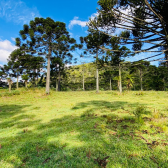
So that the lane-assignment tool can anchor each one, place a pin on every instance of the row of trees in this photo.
(46, 44)
(140, 77)
(40, 41)
(133, 76)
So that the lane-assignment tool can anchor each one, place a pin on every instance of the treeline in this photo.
(133, 77)
(45, 51)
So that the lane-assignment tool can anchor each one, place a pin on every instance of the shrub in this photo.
(68, 89)
(140, 93)
(79, 89)
(8, 94)
(16, 92)
(110, 119)
(138, 112)
(88, 113)
(114, 93)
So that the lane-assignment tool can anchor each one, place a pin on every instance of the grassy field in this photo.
(84, 130)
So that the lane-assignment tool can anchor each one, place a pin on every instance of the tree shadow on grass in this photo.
(98, 104)
(7, 111)
(13, 116)
(76, 141)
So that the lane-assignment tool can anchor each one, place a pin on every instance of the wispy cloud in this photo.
(6, 47)
(71, 34)
(81, 23)
(13, 39)
(76, 21)
(17, 11)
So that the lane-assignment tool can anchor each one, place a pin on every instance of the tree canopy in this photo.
(45, 37)
(144, 21)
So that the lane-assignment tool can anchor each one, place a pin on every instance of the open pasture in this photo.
(84, 129)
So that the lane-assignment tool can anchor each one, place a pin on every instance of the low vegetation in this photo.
(84, 129)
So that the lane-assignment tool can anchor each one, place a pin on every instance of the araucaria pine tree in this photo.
(42, 37)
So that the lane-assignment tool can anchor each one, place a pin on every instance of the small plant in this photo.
(140, 93)
(88, 113)
(16, 92)
(68, 89)
(138, 112)
(156, 114)
(8, 94)
(114, 93)
(110, 119)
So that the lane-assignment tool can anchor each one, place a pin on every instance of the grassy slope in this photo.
(72, 129)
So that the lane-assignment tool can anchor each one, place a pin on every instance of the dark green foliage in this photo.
(45, 37)
(145, 23)
(13, 92)
(16, 92)
(138, 112)
(153, 78)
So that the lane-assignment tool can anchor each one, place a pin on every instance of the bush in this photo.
(114, 93)
(8, 94)
(140, 93)
(16, 92)
(68, 89)
(138, 112)
(79, 89)
(88, 113)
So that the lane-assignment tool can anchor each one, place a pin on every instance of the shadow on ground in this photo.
(77, 141)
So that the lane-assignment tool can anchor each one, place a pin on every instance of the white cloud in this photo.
(17, 11)
(71, 34)
(6, 47)
(93, 15)
(76, 21)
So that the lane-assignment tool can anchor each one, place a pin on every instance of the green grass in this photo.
(79, 129)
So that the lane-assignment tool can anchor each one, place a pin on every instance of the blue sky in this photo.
(15, 13)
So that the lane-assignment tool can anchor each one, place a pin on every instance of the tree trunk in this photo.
(56, 84)
(26, 84)
(59, 81)
(48, 72)
(17, 83)
(34, 78)
(140, 71)
(120, 85)
(37, 78)
(97, 74)
(83, 82)
(10, 86)
(97, 80)
(110, 84)
(164, 84)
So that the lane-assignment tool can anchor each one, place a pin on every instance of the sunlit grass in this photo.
(74, 129)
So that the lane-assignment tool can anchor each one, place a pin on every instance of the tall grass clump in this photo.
(138, 112)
